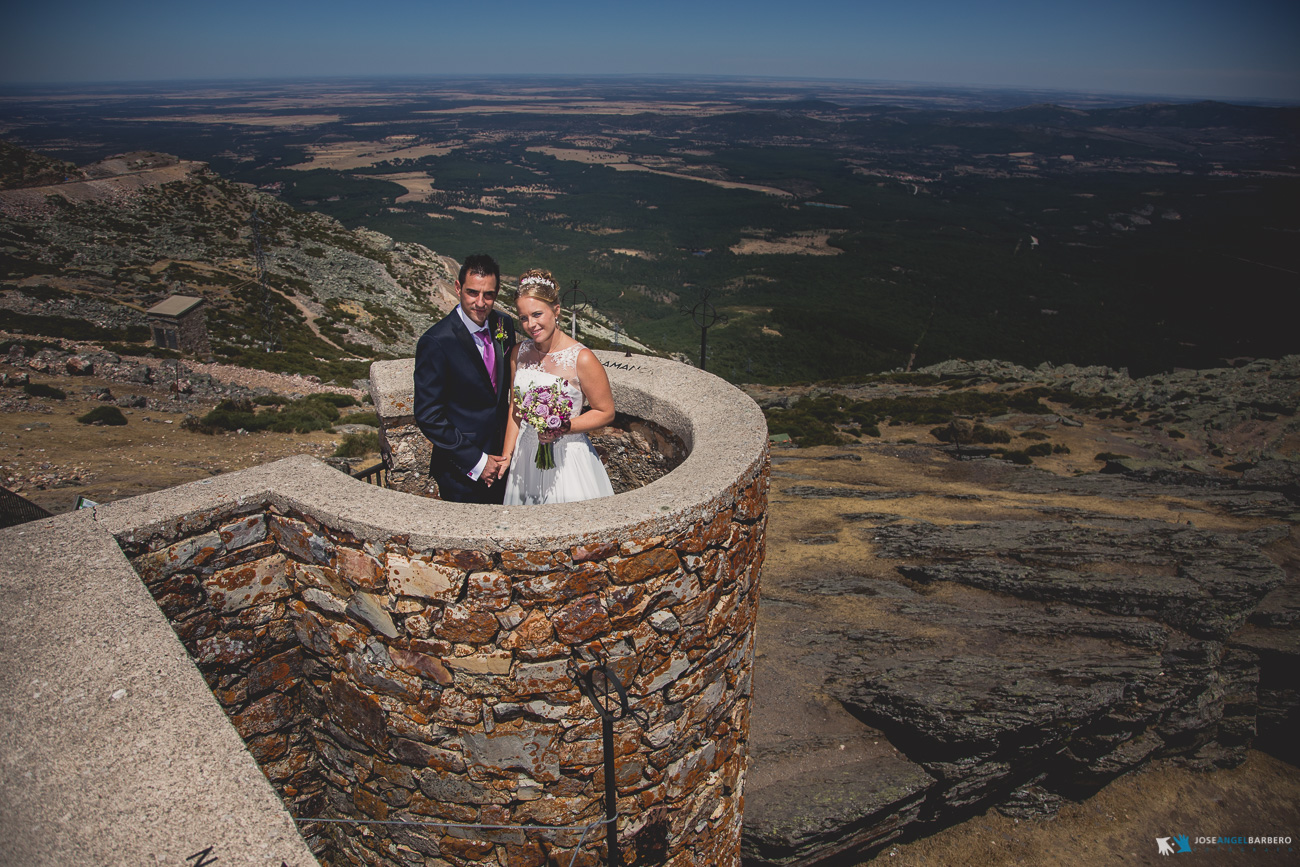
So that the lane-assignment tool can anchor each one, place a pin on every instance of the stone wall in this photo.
(371, 679)
(391, 658)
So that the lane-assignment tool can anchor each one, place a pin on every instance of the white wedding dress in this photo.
(578, 472)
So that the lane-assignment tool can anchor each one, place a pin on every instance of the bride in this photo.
(551, 356)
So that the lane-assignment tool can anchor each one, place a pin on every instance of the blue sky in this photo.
(1246, 49)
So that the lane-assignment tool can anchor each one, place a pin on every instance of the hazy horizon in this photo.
(1193, 49)
(883, 89)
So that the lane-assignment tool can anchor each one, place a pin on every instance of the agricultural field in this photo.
(836, 230)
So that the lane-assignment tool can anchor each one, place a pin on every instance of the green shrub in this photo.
(270, 400)
(140, 349)
(1017, 457)
(303, 416)
(31, 347)
(1059, 449)
(356, 445)
(40, 389)
(1033, 435)
(233, 414)
(903, 378)
(370, 418)
(337, 400)
(1039, 450)
(1083, 402)
(812, 420)
(1175, 433)
(194, 424)
(979, 434)
(109, 415)
(1110, 456)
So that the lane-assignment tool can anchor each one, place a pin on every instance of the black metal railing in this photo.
(376, 475)
(16, 509)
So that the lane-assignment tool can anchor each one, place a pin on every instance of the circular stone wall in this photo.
(423, 666)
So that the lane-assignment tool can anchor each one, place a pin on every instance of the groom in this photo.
(462, 392)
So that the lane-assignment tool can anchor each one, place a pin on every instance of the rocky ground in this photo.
(960, 660)
(50, 458)
(120, 235)
(945, 637)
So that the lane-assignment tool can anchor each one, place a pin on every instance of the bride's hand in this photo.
(550, 436)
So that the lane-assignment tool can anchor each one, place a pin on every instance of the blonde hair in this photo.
(538, 283)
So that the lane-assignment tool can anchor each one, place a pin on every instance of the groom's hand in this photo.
(494, 469)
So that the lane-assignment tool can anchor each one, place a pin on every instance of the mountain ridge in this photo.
(137, 227)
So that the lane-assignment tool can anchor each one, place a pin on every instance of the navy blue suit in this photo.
(456, 407)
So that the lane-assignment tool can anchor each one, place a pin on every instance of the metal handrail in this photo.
(375, 475)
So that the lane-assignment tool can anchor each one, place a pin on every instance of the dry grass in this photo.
(139, 458)
(623, 163)
(803, 244)
(345, 156)
(1120, 824)
(286, 121)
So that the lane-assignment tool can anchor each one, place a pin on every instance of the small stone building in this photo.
(179, 323)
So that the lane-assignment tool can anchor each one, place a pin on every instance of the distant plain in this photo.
(837, 228)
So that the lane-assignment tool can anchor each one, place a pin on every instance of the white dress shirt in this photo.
(474, 329)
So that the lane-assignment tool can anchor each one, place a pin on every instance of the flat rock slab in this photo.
(1203, 582)
(1015, 637)
(851, 810)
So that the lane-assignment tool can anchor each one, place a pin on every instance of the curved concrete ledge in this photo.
(112, 748)
(723, 429)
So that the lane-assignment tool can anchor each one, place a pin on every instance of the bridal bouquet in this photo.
(545, 408)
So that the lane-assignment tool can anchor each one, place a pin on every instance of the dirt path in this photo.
(280, 383)
(308, 315)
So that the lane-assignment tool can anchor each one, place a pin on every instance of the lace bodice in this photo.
(575, 472)
(562, 365)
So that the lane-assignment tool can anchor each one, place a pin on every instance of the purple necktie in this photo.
(489, 356)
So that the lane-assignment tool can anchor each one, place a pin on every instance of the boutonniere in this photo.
(500, 334)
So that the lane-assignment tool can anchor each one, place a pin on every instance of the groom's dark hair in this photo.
(480, 265)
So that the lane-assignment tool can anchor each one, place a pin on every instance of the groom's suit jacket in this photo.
(456, 406)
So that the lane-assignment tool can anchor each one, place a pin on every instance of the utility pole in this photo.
(259, 260)
(705, 316)
(571, 301)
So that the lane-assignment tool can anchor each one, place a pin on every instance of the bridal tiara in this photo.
(542, 280)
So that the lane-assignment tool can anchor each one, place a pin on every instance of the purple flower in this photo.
(553, 422)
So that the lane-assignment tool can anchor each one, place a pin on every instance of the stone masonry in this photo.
(370, 679)
(390, 658)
